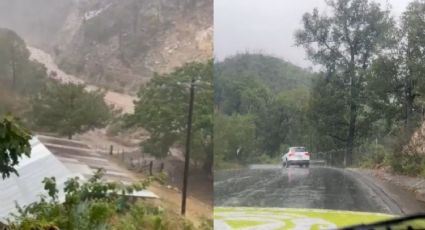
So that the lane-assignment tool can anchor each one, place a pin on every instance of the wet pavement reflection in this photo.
(323, 188)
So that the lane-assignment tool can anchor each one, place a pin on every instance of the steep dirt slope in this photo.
(120, 43)
(120, 101)
(114, 43)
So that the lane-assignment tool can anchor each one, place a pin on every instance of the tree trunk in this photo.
(408, 90)
(208, 163)
(353, 97)
(409, 99)
(351, 135)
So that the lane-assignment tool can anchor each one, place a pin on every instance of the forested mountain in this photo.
(273, 72)
(261, 104)
(257, 72)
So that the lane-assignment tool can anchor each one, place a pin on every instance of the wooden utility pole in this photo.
(188, 145)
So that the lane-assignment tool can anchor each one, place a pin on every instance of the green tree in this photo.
(385, 93)
(14, 54)
(272, 127)
(16, 70)
(412, 66)
(328, 114)
(14, 144)
(295, 103)
(272, 93)
(20, 78)
(242, 94)
(69, 109)
(234, 138)
(162, 109)
(345, 44)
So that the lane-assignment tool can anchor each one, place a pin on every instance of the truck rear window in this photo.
(299, 149)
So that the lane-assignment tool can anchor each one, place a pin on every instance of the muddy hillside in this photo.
(114, 43)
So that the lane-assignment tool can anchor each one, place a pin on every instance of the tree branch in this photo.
(338, 138)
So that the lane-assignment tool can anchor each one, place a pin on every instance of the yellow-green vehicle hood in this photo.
(232, 218)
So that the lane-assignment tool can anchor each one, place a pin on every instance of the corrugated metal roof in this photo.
(27, 187)
(142, 194)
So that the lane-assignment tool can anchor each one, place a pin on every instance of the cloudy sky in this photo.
(268, 26)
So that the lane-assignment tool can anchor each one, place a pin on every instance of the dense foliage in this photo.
(346, 44)
(234, 138)
(369, 100)
(93, 204)
(69, 109)
(399, 89)
(162, 109)
(260, 108)
(20, 78)
(14, 144)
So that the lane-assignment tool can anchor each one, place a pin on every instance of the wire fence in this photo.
(335, 158)
(134, 160)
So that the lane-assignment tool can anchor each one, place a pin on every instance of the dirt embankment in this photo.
(415, 185)
(200, 186)
(416, 145)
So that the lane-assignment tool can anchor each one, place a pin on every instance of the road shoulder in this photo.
(398, 191)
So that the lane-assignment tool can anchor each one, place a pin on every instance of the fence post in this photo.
(161, 167)
(150, 168)
(111, 150)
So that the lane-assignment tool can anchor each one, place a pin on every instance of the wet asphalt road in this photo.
(315, 187)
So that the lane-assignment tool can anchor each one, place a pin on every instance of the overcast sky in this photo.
(268, 26)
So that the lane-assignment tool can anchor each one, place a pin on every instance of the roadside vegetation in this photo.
(360, 109)
(167, 123)
(94, 204)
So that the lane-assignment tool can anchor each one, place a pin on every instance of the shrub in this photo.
(374, 155)
(94, 204)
